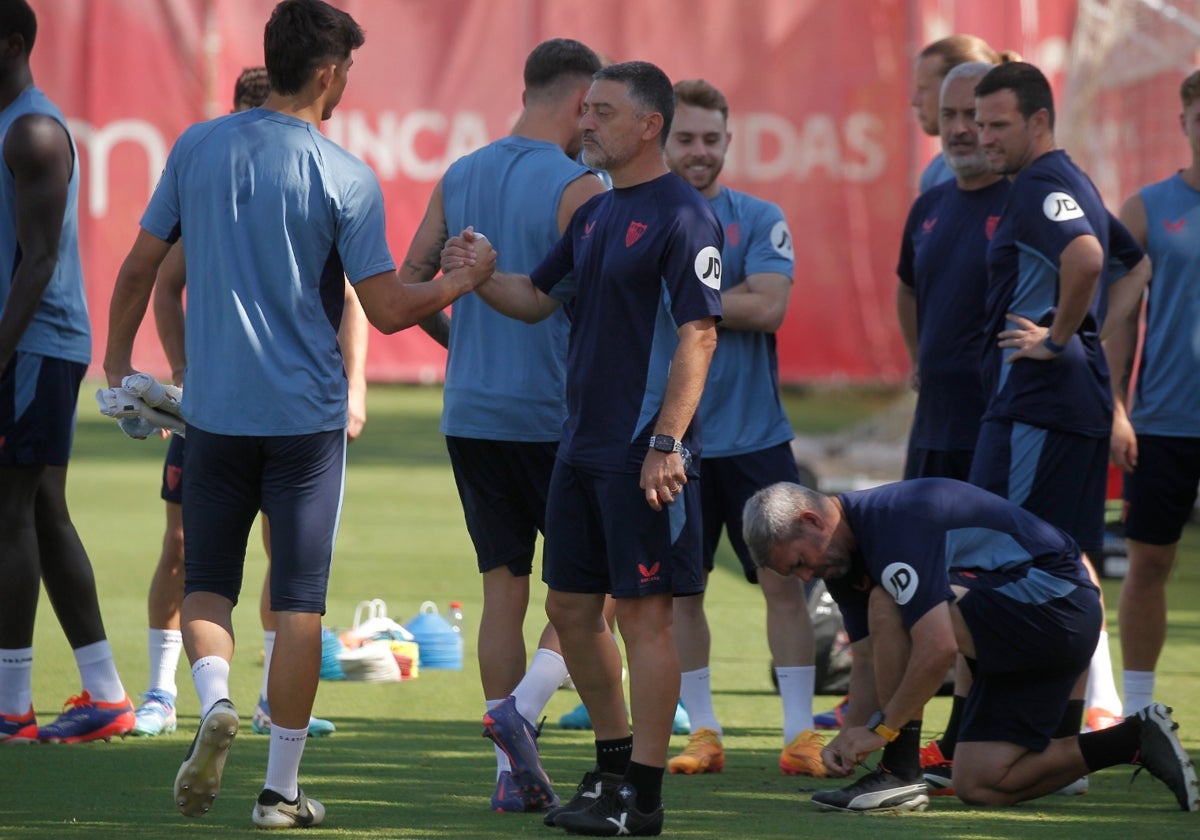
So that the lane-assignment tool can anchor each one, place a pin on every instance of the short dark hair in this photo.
(251, 88)
(300, 35)
(1026, 82)
(1189, 90)
(558, 60)
(649, 87)
(700, 94)
(17, 18)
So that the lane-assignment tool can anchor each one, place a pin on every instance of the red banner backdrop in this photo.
(819, 94)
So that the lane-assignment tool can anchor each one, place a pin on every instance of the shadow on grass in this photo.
(404, 778)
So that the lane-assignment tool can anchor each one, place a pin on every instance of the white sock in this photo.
(16, 680)
(502, 762)
(695, 689)
(268, 649)
(796, 690)
(546, 673)
(98, 672)
(1139, 690)
(1101, 686)
(211, 677)
(165, 648)
(283, 760)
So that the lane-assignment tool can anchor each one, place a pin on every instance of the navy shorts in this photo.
(296, 480)
(172, 479)
(503, 485)
(38, 398)
(602, 536)
(1028, 659)
(727, 485)
(1161, 492)
(1060, 477)
(938, 463)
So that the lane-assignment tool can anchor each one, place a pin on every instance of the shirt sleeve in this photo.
(770, 249)
(1050, 218)
(1124, 252)
(554, 274)
(904, 268)
(362, 229)
(691, 264)
(162, 217)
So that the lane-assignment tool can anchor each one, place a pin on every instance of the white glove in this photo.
(154, 393)
(135, 416)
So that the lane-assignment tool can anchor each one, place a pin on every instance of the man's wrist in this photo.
(875, 724)
(1049, 344)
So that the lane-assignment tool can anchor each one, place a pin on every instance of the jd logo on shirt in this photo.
(1060, 207)
(900, 580)
(708, 267)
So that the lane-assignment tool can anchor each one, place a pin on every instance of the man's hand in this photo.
(850, 748)
(1028, 339)
(356, 412)
(663, 477)
(466, 250)
(1122, 445)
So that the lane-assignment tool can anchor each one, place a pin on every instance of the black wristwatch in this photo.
(668, 444)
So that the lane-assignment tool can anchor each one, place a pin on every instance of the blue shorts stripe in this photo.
(1025, 451)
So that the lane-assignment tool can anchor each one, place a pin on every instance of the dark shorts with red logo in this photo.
(172, 482)
(602, 536)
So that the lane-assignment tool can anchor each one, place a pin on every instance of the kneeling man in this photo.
(926, 568)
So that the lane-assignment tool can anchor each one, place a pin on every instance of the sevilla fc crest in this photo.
(733, 234)
(636, 229)
(990, 227)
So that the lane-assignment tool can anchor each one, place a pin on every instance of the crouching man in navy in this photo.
(926, 568)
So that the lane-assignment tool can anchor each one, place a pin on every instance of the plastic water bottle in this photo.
(456, 616)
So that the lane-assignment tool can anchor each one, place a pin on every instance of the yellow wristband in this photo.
(886, 734)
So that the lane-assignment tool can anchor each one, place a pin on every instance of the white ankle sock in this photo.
(695, 689)
(1101, 686)
(165, 648)
(546, 673)
(16, 680)
(283, 760)
(796, 691)
(211, 677)
(1139, 690)
(98, 672)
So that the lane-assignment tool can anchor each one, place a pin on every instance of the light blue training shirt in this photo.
(505, 379)
(1167, 401)
(272, 213)
(741, 409)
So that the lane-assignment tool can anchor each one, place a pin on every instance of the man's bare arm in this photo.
(131, 296)
(685, 384)
(423, 261)
(37, 152)
(1120, 337)
(352, 338)
(168, 310)
(393, 305)
(759, 303)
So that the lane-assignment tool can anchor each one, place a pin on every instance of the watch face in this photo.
(664, 443)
